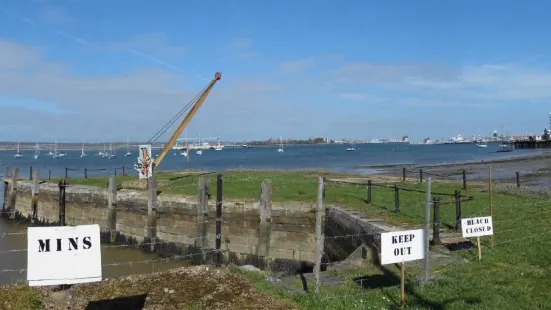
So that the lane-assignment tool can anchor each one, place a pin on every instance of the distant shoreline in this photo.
(514, 159)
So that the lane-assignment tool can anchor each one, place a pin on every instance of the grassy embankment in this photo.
(512, 275)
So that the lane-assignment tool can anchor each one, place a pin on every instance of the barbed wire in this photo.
(127, 245)
(104, 231)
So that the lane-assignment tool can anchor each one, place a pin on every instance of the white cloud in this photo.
(481, 85)
(55, 15)
(16, 56)
(353, 96)
(297, 66)
(242, 48)
(153, 43)
(357, 97)
(138, 103)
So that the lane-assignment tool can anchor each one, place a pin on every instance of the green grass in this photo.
(512, 275)
(20, 298)
(303, 186)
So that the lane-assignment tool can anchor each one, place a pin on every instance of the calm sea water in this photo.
(334, 157)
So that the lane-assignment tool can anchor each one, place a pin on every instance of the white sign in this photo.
(477, 227)
(63, 255)
(145, 162)
(402, 246)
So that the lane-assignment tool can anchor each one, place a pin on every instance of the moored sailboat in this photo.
(18, 154)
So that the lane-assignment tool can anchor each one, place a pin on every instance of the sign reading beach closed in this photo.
(63, 255)
(402, 246)
(477, 227)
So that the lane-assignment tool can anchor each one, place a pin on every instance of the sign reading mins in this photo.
(63, 255)
(72, 244)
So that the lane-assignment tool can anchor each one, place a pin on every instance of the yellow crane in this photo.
(145, 161)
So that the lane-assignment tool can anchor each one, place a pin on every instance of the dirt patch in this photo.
(183, 288)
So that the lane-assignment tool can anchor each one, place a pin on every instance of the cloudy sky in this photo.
(107, 69)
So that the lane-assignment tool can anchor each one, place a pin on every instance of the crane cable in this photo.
(166, 126)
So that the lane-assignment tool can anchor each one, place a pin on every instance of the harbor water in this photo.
(331, 157)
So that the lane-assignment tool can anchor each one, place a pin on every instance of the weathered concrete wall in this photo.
(346, 231)
(287, 231)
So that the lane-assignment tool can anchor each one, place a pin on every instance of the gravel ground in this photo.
(534, 171)
(198, 287)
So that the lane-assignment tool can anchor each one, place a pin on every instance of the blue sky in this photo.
(98, 70)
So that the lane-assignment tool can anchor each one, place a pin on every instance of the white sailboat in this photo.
(280, 150)
(185, 151)
(128, 153)
(482, 144)
(111, 152)
(61, 154)
(36, 151)
(104, 153)
(199, 146)
(18, 154)
(55, 154)
(82, 153)
(219, 146)
(351, 148)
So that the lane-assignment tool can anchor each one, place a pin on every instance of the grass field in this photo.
(512, 275)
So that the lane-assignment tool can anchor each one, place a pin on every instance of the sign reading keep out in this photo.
(477, 227)
(402, 246)
(63, 255)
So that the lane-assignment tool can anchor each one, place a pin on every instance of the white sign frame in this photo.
(144, 166)
(483, 225)
(63, 255)
(402, 246)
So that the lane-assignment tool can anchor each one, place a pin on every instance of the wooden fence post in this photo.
(203, 195)
(62, 207)
(436, 221)
(404, 174)
(6, 190)
(13, 193)
(152, 213)
(34, 192)
(518, 179)
(219, 205)
(369, 187)
(396, 199)
(112, 208)
(464, 179)
(265, 231)
(319, 232)
(457, 210)
(420, 175)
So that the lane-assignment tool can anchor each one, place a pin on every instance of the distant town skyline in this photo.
(275, 139)
(98, 70)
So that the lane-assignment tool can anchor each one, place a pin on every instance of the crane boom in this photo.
(202, 97)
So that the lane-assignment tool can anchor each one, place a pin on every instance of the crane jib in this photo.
(191, 107)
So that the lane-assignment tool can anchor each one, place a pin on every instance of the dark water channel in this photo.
(116, 260)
